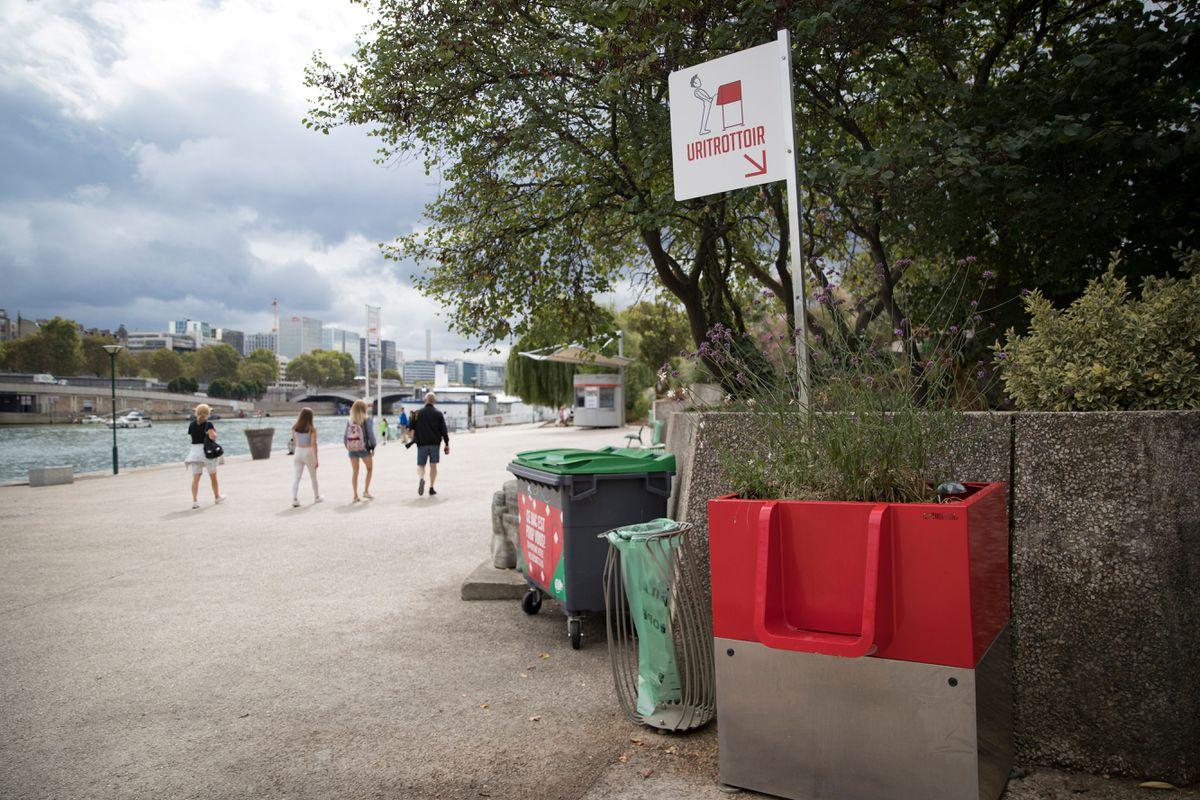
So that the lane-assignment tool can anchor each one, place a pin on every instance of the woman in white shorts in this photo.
(199, 430)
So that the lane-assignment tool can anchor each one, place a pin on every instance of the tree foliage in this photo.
(267, 359)
(236, 390)
(655, 332)
(54, 348)
(1110, 351)
(166, 365)
(212, 362)
(183, 385)
(1036, 135)
(322, 368)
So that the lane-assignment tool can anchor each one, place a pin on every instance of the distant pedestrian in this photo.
(202, 432)
(402, 426)
(359, 439)
(304, 434)
(428, 428)
(383, 430)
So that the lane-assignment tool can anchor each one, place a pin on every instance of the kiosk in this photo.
(599, 398)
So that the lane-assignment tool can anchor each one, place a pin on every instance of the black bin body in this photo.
(577, 509)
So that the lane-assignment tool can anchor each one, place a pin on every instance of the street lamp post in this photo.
(112, 350)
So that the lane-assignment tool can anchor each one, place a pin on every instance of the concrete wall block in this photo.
(1106, 592)
(51, 476)
(1105, 521)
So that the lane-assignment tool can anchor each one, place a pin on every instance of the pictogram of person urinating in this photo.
(729, 98)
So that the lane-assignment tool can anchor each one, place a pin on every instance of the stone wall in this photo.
(1104, 516)
(1106, 591)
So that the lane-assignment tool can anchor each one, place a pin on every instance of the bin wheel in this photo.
(531, 603)
(575, 632)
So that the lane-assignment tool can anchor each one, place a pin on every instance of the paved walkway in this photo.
(252, 650)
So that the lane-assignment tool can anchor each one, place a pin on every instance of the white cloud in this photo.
(96, 57)
(187, 185)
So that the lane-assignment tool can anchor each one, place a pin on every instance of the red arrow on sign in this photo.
(762, 168)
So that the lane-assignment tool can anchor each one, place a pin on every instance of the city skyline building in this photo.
(340, 340)
(235, 339)
(261, 341)
(388, 350)
(298, 335)
(468, 373)
(139, 341)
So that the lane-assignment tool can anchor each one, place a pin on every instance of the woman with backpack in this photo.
(359, 439)
(304, 434)
(203, 453)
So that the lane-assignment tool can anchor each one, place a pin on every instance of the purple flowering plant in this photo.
(884, 418)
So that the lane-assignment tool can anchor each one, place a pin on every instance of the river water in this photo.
(88, 448)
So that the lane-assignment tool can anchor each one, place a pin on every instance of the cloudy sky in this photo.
(153, 167)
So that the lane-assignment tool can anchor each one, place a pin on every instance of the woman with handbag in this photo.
(203, 453)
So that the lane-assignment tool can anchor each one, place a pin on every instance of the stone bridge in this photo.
(28, 403)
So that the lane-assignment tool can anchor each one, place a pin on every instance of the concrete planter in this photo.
(260, 440)
(1104, 515)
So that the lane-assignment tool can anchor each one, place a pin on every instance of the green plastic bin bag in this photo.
(646, 570)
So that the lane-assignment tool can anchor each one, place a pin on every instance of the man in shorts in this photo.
(428, 428)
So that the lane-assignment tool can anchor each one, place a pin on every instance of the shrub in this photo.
(884, 422)
(183, 385)
(1109, 351)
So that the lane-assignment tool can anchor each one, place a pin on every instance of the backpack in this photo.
(354, 438)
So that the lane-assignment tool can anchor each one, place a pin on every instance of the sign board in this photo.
(728, 128)
(373, 326)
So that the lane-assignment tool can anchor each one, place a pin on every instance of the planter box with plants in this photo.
(862, 648)
(860, 589)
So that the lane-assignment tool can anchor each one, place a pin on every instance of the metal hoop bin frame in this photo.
(673, 554)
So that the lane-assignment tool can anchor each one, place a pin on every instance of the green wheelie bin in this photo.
(566, 498)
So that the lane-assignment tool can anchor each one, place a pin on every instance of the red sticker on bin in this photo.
(540, 527)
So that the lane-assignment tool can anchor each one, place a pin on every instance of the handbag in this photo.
(212, 449)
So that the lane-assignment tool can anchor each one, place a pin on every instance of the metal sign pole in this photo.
(799, 293)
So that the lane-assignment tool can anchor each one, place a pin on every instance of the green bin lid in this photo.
(605, 461)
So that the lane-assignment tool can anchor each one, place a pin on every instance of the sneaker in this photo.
(195, 504)
(368, 496)
(421, 487)
(318, 499)
(295, 504)
(356, 499)
(221, 499)
(432, 490)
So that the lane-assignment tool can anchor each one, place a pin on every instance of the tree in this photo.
(322, 368)
(549, 383)
(306, 369)
(54, 348)
(257, 372)
(214, 361)
(337, 369)
(550, 122)
(166, 365)
(183, 385)
(661, 329)
(222, 388)
(1034, 134)
(250, 390)
(391, 375)
(267, 359)
(94, 358)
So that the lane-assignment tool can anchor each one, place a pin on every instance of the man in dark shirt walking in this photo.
(428, 428)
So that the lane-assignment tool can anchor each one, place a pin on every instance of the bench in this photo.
(51, 476)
